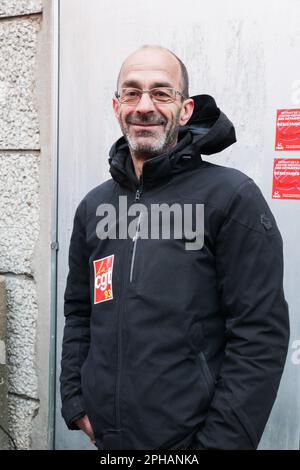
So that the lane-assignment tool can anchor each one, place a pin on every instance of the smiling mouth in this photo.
(146, 125)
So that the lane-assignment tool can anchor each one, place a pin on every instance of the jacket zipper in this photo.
(137, 233)
(119, 323)
(119, 354)
(138, 193)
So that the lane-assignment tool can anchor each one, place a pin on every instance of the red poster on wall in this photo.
(286, 178)
(288, 129)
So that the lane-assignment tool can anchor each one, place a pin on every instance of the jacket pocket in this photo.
(184, 443)
(209, 381)
(88, 389)
(246, 426)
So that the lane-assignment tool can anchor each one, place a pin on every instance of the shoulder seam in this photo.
(88, 216)
(251, 228)
(248, 180)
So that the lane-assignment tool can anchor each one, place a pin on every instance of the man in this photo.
(169, 345)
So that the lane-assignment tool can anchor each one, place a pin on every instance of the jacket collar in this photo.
(208, 131)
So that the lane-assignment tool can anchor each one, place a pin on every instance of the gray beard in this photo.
(165, 142)
(148, 149)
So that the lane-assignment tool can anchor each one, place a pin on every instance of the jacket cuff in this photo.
(72, 409)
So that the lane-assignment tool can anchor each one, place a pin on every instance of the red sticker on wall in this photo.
(286, 178)
(103, 269)
(288, 129)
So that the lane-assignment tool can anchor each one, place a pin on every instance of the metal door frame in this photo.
(54, 218)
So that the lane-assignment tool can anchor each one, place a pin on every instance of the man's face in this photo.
(151, 128)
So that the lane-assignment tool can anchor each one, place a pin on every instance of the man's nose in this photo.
(145, 105)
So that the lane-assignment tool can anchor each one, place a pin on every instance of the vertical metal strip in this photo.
(54, 219)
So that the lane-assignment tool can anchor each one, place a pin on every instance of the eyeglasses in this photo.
(158, 95)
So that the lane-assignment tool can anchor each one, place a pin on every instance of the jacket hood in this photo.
(207, 132)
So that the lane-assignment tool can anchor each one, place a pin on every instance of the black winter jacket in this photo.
(168, 348)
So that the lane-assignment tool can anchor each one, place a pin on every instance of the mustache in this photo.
(146, 119)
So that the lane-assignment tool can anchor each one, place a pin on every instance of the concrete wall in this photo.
(25, 218)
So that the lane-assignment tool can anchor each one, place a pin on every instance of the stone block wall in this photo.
(24, 178)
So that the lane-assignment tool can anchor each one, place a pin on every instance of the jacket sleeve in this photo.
(249, 263)
(77, 308)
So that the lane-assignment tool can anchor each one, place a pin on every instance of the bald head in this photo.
(156, 58)
(151, 126)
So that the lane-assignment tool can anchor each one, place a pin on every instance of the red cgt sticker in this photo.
(103, 269)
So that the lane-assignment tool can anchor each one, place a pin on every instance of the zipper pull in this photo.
(139, 189)
(138, 194)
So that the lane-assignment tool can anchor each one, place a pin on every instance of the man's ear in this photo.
(186, 111)
(116, 106)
